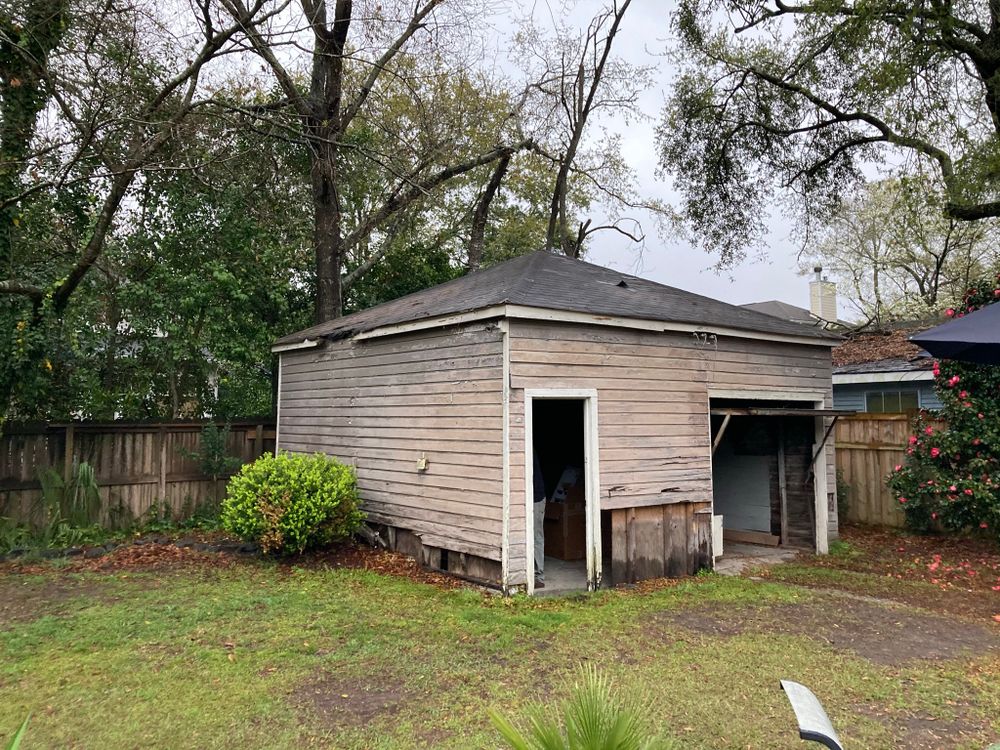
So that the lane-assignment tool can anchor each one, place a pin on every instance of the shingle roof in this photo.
(557, 282)
(870, 348)
(887, 365)
(780, 309)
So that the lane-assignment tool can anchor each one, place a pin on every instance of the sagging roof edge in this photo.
(557, 316)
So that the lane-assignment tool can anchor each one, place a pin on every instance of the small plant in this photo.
(213, 454)
(591, 719)
(843, 496)
(15, 741)
(75, 501)
(289, 503)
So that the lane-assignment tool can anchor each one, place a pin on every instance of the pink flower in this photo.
(949, 312)
(953, 381)
(968, 491)
(980, 415)
(934, 566)
(902, 500)
(996, 292)
(983, 525)
(928, 430)
(963, 394)
(953, 488)
(898, 467)
(913, 439)
(935, 452)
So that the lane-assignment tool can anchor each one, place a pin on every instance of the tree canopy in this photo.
(791, 104)
(896, 255)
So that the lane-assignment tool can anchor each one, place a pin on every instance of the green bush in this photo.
(291, 502)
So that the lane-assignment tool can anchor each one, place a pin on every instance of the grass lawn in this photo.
(261, 655)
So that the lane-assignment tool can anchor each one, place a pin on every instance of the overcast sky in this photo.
(643, 37)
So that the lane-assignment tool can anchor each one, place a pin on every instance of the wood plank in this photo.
(750, 537)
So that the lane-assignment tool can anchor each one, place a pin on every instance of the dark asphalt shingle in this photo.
(557, 282)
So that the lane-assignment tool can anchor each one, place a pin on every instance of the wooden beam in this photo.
(782, 485)
(720, 433)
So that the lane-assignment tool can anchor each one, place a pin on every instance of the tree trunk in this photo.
(477, 238)
(327, 237)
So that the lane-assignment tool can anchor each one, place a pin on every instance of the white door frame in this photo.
(592, 480)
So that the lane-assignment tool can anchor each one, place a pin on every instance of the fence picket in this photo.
(136, 464)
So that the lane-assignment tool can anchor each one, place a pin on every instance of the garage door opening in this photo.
(763, 472)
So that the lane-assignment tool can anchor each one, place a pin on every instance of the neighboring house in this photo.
(882, 372)
(874, 371)
(822, 310)
(651, 410)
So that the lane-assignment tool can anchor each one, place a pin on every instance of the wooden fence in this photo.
(869, 446)
(137, 466)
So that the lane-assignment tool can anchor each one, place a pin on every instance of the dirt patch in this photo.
(879, 632)
(920, 733)
(928, 733)
(24, 599)
(340, 702)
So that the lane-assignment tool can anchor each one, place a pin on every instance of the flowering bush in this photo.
(951, 476)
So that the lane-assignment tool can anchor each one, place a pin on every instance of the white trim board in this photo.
(871, 378)
(505, 480)
(525, 312)
(764, 395)
(306, 344)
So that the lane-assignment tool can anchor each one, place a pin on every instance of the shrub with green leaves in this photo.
(292, 502)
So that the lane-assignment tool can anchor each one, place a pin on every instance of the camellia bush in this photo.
(951, 476)
(292, 502)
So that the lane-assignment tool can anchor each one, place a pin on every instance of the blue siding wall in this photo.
(853, 396)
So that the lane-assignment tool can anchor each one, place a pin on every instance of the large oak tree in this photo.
(796, 100)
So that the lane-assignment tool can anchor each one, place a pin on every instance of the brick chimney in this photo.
(823, 297)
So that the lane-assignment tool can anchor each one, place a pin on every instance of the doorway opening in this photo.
(565, 534)
(763, 477)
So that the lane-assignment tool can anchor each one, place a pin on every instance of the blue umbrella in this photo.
(972, 338)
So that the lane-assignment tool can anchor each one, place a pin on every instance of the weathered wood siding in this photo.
(381, 404)
(653, 393)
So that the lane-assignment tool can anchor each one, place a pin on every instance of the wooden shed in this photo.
(652, 411)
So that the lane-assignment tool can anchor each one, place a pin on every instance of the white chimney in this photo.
(823, 297)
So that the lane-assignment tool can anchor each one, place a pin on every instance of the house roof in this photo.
(786, 311)
(783, 310)
(880, 351)
(556, 282)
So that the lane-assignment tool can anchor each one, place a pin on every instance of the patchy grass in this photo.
(262, 655)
